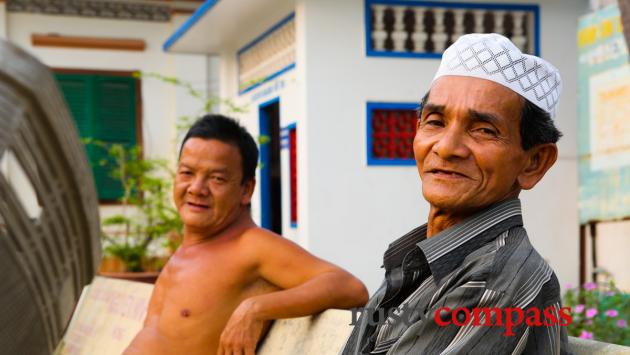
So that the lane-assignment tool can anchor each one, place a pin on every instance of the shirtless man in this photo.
(229, 278)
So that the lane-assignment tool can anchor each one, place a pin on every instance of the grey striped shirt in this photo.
(486, 261)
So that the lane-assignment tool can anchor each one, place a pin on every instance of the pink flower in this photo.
(586, 335)
(578, 308)
(589, 322)
(622, 323)
(591, 312)
(612, 313)
(589, 286)
(568, 286)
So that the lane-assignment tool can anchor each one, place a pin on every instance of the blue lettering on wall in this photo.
(268, 90)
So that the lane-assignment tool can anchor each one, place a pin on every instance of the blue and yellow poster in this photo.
(603, 117)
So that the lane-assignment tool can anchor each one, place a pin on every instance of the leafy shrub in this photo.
(599, 312)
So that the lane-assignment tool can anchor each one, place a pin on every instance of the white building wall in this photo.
(613, 243)
(161, 103)
(288, 88)
(3, 20)
(355, 210)
(349, 212)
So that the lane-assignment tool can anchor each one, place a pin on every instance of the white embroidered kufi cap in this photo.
(493, 57)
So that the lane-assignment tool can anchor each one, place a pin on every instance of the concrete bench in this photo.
(583, 347)
(111, 312)
(327, 333)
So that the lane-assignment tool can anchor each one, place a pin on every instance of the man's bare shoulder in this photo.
(257, 234)
(262, 241)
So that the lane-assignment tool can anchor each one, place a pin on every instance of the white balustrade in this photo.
(378, 33)
(518, 36)
(498, 20)
(439, 36)
(459, 23)
(419, 36)
(522, 33)
(399, 35)
(479, 20)
(270, 55)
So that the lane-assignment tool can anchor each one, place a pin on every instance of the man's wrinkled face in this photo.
(208, 192)
(467, 145)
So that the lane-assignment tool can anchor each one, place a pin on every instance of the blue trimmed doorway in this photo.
(270, 171)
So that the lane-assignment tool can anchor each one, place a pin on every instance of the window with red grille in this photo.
(391, 129)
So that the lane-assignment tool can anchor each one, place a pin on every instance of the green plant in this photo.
(146, 212)
(207, 102)
(600, 312)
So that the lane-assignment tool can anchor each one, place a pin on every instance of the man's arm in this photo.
(310, 285)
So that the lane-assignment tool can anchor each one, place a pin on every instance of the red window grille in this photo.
(393, 131)
(293, 173)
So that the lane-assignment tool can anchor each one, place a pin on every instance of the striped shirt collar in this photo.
(438, 249)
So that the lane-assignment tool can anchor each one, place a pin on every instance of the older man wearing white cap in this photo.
(469, 280)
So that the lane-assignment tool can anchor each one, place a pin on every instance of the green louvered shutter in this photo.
(104, 108)
(77, 90)
(114, 122)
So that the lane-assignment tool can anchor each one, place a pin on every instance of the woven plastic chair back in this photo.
(46, 258)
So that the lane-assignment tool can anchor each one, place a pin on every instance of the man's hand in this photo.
(242, 331)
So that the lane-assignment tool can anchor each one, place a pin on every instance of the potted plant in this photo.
(147, 219)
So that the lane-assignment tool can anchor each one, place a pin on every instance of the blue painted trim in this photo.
(288, 128)
(372, 53)
(411, 3)
(457, 5)
(192, 20)
(269, 102)
(284, 134)
(367, 9)
(265, 190)
(371, 160)
(537, 31)
(391, 162)
(265, 34)
(269, 78)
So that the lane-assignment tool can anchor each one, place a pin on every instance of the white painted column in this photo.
(399, 35)
(439, 36)
(378, 33)
(419, 37)
(518, 37)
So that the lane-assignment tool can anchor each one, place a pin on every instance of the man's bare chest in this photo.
(206, 283)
